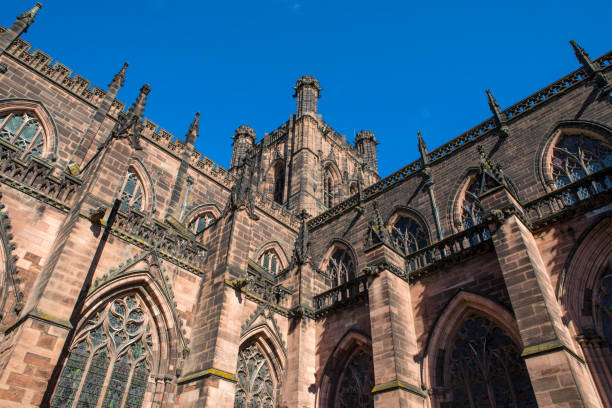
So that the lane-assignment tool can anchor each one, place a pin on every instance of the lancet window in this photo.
(201, 222)
(356, 383)
(576, 156)
(486, 368)
(255, 387)
(24, 130)
(132, 192)
(110, 361)
(341, 267)
(606, 307)
(269, 260)
(279, 183)
(471, 210)
(328, 189)
(408, 235)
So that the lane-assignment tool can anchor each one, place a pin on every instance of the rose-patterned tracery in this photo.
(341, 267)
(24, 130)
(357, 381)
(255, 387)
(576, 156)
(408, 235)
(486, 368)
(110, 360)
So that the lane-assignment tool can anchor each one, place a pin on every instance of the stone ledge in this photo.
(397, 384)
(547, 348)
(224, 375)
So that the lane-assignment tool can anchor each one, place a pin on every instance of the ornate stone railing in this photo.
(556, 88)
(588, 190)
(341, 295)
(34, 176)
(134, 227)
(450, 249)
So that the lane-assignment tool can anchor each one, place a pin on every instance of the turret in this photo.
(307, 91)
(244, 137)
(366, 143)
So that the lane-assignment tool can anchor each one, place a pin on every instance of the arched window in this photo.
(269, 260)
(199, 223)
(24, 130)
(132, 192)
(341, 267)
(110, 360)
(576, 156)
(279, 182)
(328, 189)
(408, 235)
(486, 368)
(255, 387)
(606, 307)
(356, 383)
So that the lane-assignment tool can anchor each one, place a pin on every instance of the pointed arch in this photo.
(585, 292)
(353, 346)
(572, 150)
(36, 114)
(408, 229)
(276, 175)
(261, 359)
(137, 191)
(200, 217)
(128, 336)
(275, 248)
(444, 356)
(340, 262)
(332, 179)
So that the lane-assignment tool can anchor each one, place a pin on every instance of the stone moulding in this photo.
(397, 384)
(224, 375)
(549, 347)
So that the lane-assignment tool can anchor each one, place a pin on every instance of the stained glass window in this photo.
(269, 260)
(111, 354)
(255, 387)
(408, 235)
(606, 307)
(23, 129)
(357, 381)
(576, 156)
(131, 195)
(199, 223)
(341, 268)
(486, 368)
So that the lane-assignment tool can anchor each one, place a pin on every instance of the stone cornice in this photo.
(215, 372)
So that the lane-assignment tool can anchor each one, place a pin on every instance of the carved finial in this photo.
(28, 16)
(138, 106)
(194, 130)
(377, 231)
(497, 113)
(119, 78)
(423, 148)
(489, 171)
(583, 57)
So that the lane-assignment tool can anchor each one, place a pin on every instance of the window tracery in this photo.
(486, 368)
(201, 222)
(110, 360)
(341, 267)
(24, 130)
(279, 183)
(255, 386)
(357, 381)
(270, 261)
(408, 235)
(606, 307)
(132, 192)
(576, 156)
(328, 192)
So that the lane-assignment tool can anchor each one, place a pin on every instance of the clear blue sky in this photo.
(393, 67)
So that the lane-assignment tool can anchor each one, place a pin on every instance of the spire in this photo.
(423, 148)
(28, 17)
(497, 113)
(138, 107)
(194, 130)
(583, 57)
(119, 78)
